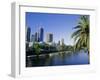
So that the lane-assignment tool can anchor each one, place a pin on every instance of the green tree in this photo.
(81, 35)
(37, 48)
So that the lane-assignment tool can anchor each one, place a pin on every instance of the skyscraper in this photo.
(49, 37)
(58, 43)
(28, 34)
(41, 34)
(32, 38)
(36, 36)
(62, 41)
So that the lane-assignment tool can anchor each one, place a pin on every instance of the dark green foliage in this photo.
(81, 35)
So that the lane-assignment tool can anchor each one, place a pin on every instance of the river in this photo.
(58, 59)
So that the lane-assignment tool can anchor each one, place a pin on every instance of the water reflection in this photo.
(61, 58)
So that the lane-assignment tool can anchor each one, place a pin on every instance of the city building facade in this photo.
(49, 37)
(28, 34)
(41, 34)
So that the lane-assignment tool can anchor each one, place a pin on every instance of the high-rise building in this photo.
(58, 43)
(36, 37)
(62, 41)
(32, 38)
(28, 34)
(49, 37)
(41, 35)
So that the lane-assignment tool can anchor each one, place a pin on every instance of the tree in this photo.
(81, 35)
(37, 48)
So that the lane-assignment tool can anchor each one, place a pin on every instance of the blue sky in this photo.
(61, 25)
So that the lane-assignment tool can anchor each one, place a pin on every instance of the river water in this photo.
(58, 59)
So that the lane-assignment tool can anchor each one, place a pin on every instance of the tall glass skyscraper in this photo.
(28, 34)
(41, 34)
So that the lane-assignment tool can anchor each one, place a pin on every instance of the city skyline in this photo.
(38, 36)
(60, 25)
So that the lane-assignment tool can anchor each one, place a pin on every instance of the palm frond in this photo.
(76, 33)
(81, 35)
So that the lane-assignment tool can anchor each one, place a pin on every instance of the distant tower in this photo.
(62, 41)
(41, 34)
(36, 37)
(32, 38)
(49, 37)
(28, 34)
(58, 42)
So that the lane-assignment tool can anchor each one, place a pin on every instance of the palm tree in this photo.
(81, 35)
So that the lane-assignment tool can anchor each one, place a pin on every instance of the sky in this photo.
(60, 25)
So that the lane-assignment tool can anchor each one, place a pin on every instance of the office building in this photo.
(62, 41)
(36, 36)
(28, 34)
(41, 35)
(49, 37)
(32, 38)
